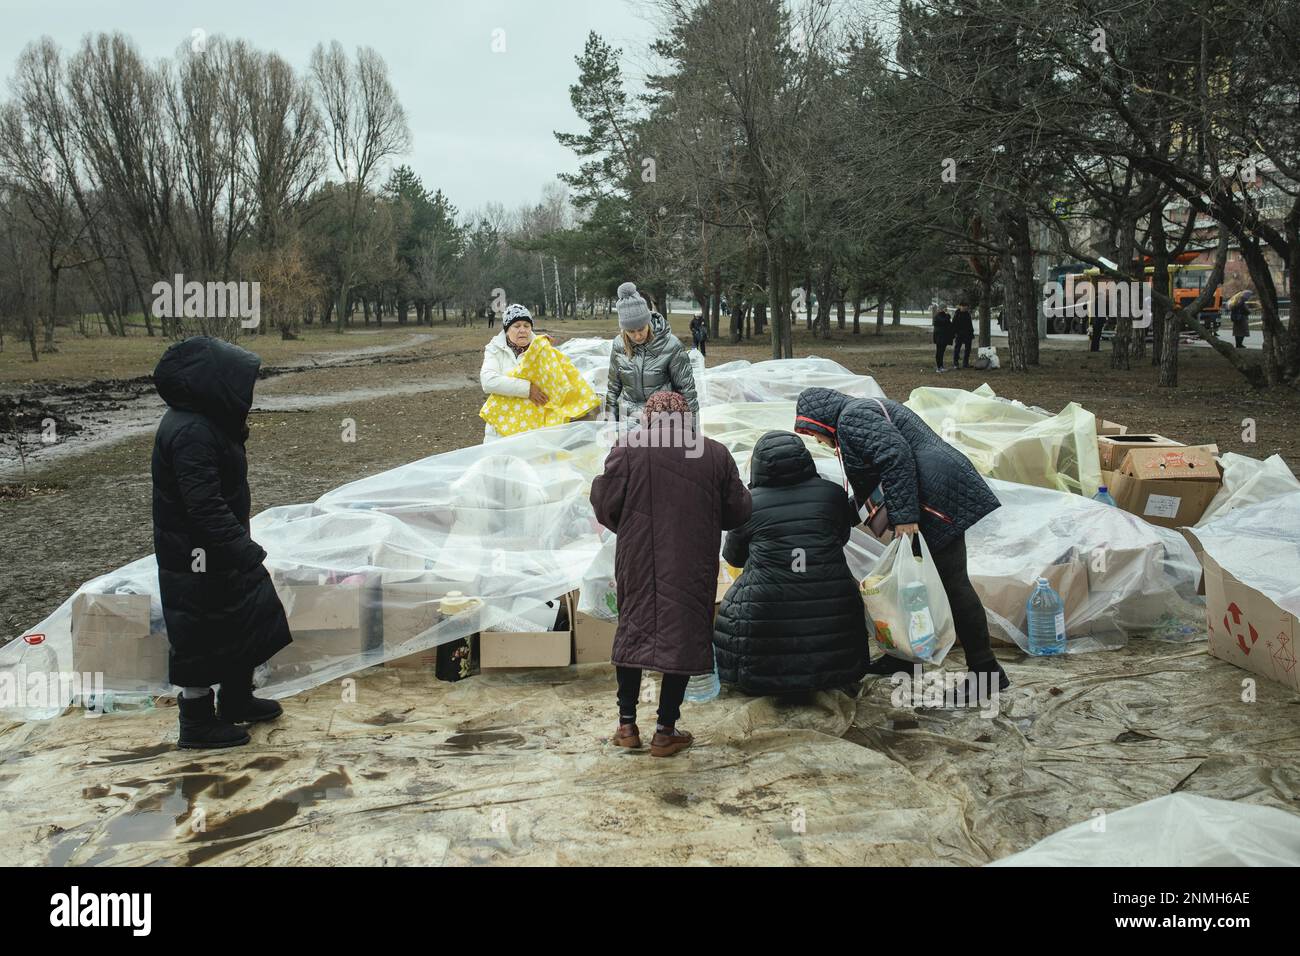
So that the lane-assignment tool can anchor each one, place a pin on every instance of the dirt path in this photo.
(58, 420)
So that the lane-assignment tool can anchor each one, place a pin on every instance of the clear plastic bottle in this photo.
(920, 622)
(1046, 616)
(702, 688)
(36, 680)
(1103, 495)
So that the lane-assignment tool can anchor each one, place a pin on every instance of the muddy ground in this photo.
(82, 507)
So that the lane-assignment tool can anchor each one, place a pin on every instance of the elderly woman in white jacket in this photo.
(501, 355)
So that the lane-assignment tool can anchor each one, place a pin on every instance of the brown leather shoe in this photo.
(665, 745)
(627, 736)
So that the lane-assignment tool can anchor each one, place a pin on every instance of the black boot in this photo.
(979, 681)
(238, 705)
(202, 729)
(887, 664)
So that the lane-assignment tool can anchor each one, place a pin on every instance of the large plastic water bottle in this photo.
(920, 622)
(703, 687)
(36, 684)
(1046, 616)
(1103, 495)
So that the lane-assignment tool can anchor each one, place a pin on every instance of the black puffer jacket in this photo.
(922, 478)
(793, 621)
(221, 609)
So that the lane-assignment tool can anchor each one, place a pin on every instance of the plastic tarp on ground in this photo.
(1118, 576)
(1259, 545)
(1248, 481)
(1182, 829)
(1008, 440)
(362, 570)
(515, 769)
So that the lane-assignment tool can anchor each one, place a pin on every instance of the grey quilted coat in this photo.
(922, 479)
(659, 364)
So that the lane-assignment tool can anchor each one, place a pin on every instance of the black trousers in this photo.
(967, 609)
(961, 342)
(1241, 340)
(672, 691)
(939, 349)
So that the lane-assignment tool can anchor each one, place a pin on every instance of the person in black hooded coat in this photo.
(892, 457)
(794, 620)
(222, 613)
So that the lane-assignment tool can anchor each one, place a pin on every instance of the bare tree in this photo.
(365, 126)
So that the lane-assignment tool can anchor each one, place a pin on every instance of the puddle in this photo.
(279, 811)
(132, 756)
(266, 762)
(483, 738)
(384, 719)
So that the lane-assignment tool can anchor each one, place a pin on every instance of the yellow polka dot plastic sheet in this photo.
(550, 370)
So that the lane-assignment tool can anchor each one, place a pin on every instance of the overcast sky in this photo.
(481, 122)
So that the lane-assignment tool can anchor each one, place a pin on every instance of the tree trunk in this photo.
(857, 314)
(880, 317)
(715, 323)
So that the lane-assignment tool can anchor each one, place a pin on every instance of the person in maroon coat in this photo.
(668, 493)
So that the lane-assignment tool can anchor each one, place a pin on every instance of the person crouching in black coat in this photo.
(928, 488)
(793, 621)
(222, 613)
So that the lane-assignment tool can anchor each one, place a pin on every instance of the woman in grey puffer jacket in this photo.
(646, 358)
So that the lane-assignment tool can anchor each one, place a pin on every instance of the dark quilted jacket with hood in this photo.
(922, 479)
(793, 621)
(222, 613)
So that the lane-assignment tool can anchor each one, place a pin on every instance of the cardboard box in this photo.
(510, 649)
(1110, 428)
(1008, 596)
(409, 607)
(593, 638)
(1111, 449)
(1171, 486)
(1248, 629)
(110, 635)
(326, 621)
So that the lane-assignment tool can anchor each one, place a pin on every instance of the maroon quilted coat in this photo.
(669, 511)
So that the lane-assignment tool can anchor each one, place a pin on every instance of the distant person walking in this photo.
(700, 333)
(942, 337)
(1240, 314)
(963, 329)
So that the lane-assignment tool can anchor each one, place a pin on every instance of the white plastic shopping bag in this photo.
(598, 593)
(906, 602)
(990, 355)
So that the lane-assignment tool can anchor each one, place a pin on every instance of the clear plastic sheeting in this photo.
(1248, 481)
(1014, 442)
(365, 572)
(1259, 545)
(781, 380)
(1182, 829)
(776, 380)
(516, 769)
(1118, 576)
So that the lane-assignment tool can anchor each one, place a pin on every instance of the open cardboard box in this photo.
(1111, 449)
(110, 635)
(1110, 428)
(1246, 627)
(1170, 486)
(501, 650)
